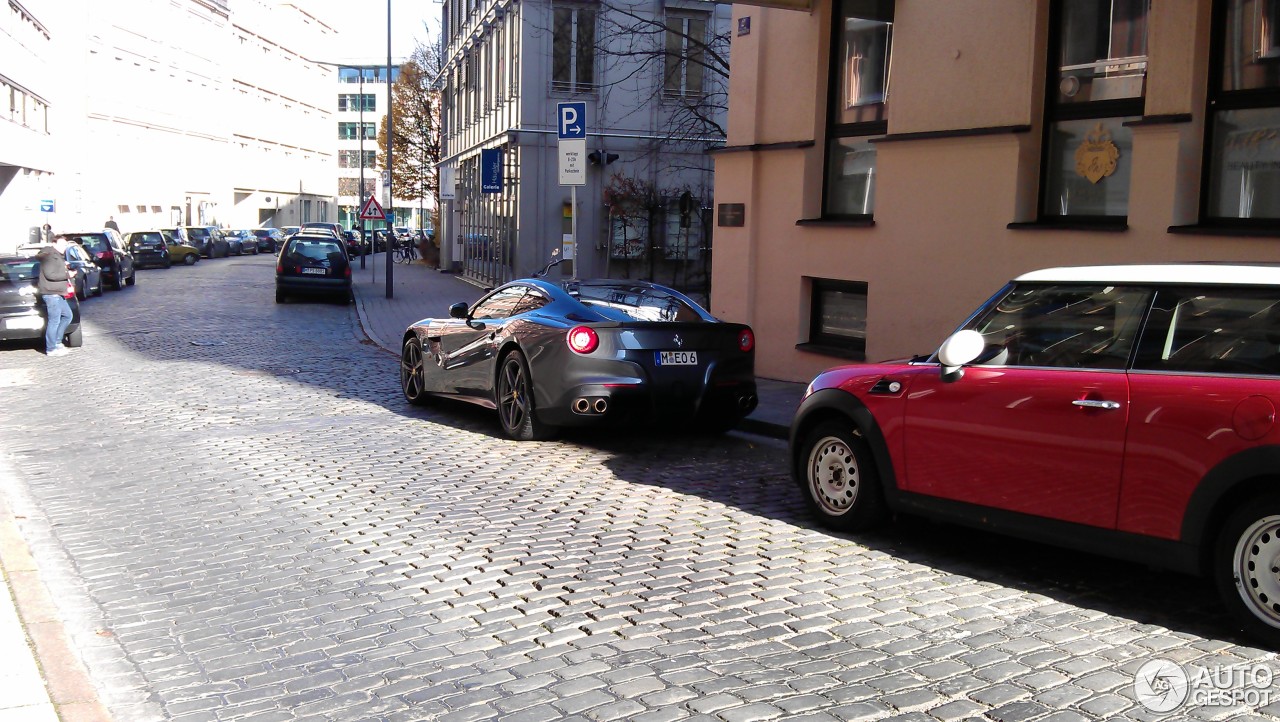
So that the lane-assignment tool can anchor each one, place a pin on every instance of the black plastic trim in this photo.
(1213, 229)
(1166, 119)
(1120, 226)
(846, 222)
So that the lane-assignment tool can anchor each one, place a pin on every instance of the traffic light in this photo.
(595, 156)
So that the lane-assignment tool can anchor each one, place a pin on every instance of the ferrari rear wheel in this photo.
(515, 400)
(413, 372)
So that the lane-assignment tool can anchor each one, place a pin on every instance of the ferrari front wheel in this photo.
(515, 400)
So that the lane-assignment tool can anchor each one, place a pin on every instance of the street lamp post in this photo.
(391, 196)
(360, 193)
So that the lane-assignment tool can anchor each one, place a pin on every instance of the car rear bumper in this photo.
(310, 285)
(630, 400)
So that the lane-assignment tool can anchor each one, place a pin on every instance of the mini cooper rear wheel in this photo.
(838, 476)
(1246, 567)
(413, 372)
(515, 400)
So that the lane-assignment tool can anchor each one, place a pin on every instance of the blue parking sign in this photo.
(571, 120)
(46, 206)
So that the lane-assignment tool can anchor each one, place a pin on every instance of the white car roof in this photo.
(1173, 273)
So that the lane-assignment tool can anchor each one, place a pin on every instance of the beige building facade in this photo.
(890, 165)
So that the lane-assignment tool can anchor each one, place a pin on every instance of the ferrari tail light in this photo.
(746, 339)
(583, 339)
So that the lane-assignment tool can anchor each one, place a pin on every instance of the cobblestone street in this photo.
(240, 518)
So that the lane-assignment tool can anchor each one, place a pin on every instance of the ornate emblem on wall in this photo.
(1097, 155)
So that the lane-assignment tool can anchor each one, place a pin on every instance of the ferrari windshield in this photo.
(627, 302)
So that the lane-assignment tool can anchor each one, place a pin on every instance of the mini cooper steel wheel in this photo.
(838, 476)
(413, 373)
(1248, 567)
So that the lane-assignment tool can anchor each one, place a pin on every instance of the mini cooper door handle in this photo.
(1096, 404)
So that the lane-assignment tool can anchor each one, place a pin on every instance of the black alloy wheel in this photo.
(117, 280)
(413, 372)
(515, 400)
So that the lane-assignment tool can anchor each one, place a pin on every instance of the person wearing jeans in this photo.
(55, 279)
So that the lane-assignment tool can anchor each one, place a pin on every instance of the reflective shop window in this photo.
(1244, 125)
(838, 314)
(859, 95)
(1100, 64)
(1081, 154)
(851, 175)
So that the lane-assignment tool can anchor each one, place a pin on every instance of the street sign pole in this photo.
(571, 126)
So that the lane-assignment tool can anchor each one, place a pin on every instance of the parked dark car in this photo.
(88, 277)
(333, 228)
(269, 239)
(208, 240)
(109, 252)
(584, 353)
(356, 246)
(242, 242)
(22, 312)
(149, 249)
(313, 264)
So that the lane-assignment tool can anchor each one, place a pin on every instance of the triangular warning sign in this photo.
(372, 211)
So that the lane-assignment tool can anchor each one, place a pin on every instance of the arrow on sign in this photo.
(372, 211)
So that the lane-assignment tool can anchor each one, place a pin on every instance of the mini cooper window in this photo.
(1070, 326)
(500, 305)
(1233, 331)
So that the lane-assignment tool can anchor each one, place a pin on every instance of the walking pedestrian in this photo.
(111, 223)
(54, 284)
(46, 234)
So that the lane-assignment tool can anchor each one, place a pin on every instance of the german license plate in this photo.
(676, 358)
(25, 322)
(315, 271)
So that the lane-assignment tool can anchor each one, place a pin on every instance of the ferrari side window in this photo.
(500, 305)
(532, 301)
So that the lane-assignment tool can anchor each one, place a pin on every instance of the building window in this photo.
(859, 104)
(686, 48)
(838, 314)
(573, 49)
(351, 131)
(1243, 148)
(351, 158)
(1097, 77)
(352, 102)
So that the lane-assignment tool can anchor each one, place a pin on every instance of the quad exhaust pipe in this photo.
(590, 405)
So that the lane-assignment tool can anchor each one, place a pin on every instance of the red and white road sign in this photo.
(372, 211)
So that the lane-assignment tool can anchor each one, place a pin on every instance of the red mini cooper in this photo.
(1128, 411)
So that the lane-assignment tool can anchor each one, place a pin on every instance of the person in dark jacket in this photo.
(55, 278)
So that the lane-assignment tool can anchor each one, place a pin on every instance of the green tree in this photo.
(415, 111)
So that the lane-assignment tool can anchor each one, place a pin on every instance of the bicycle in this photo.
(404, 252)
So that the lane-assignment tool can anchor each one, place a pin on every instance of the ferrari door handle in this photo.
(1096, 404)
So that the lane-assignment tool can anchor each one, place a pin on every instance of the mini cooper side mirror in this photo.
(960, 348)
(458, 310)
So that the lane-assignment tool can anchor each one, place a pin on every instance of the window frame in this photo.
(684, 66)
(1121, 110)
(863, 130)
(574, 85)
(818, 337)
(1219, 100)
